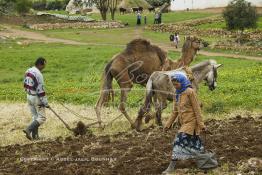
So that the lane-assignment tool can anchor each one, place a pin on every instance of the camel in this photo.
(135, 65)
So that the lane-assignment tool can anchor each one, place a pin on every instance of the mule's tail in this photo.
(149, 93)
(148, 99)
(145, 108)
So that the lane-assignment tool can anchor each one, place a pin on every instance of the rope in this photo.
(75, 113)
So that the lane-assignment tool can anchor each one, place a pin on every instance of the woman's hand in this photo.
(203, 127)
(165, 129)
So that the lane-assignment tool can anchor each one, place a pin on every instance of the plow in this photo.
(81, 128)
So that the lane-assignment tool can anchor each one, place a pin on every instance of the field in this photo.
(167, 18)
(232, 111)
(133, 153)
(78, 81)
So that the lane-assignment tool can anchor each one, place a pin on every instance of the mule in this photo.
(160, 88)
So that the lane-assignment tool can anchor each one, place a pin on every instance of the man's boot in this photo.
(170, 168)
(30, 129)
(35, 135)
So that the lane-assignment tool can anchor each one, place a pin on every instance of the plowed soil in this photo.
(148, 152)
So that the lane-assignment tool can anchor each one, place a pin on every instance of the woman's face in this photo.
(177, 84)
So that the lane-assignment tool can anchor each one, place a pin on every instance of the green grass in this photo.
(130, 18)
(123, 35)
(109, 36)
(222, 25)
(166, 17)
(237, 52)
(73, 75)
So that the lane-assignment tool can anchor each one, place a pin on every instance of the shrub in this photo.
(240, 14)
(23, 6)
(39, 5)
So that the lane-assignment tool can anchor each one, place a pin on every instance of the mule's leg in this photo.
(151, 116)
(125, 84)
(160, 106)
(142, 111)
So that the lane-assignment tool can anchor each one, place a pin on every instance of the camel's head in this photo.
(192, 42)
(167, 65)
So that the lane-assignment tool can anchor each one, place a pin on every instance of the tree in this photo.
(23, 6)
(157, 3)
(7, 6)
(102, 6)
(113, 8)
(240, 14)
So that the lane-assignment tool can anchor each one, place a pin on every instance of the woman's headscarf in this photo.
(183, 80)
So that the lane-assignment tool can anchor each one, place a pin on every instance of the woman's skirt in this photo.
(185, 146)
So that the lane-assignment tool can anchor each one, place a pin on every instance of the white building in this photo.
(203, 4)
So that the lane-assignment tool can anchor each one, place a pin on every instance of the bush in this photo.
(23, 6)
(39, 5)
(54, 5)
(240, 14)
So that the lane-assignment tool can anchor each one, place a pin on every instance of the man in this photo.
(156, 18)
(176, 40)
(36, 97)
(138, 18)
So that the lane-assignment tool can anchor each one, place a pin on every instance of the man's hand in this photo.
(43, 106)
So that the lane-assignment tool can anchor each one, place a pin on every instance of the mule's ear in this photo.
(219, 65)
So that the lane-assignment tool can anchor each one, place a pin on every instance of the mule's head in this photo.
(211, 77)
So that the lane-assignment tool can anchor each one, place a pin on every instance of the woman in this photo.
(187, 110)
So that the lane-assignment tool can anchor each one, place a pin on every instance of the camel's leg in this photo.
(125, 84)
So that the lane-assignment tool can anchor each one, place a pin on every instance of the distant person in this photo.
(171, 39)
(160, 18)
(145, 19)
(36, 97)
(156, 20)
(138, 18)
(176, 40)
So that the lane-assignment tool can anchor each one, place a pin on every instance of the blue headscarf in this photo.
(183, 80)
